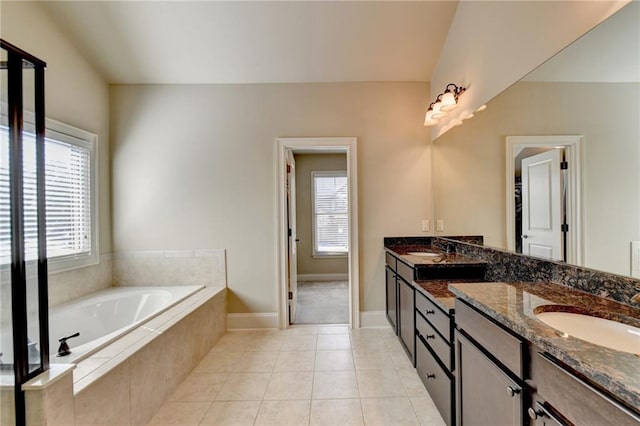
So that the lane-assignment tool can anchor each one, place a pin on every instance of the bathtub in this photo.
(107, 315)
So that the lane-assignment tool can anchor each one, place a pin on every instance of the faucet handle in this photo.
(64, 339)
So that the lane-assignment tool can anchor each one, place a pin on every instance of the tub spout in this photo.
(63, 350)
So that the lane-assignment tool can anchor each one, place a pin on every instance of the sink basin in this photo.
(424, 254)
(600, 331)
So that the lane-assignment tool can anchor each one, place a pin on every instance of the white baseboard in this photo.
(373, 319)
(252, 321)
(323, 277)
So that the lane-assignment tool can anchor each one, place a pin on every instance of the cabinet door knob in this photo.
(535, 414)
(525, 236)
(430, 336)
(512, 392)
(430, 376)
(429, 312)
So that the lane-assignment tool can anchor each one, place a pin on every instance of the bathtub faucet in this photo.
(63, 350)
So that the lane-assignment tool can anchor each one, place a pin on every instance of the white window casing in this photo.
(70, 193)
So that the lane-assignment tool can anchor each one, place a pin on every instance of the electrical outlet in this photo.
(425, 225)
(440, 225)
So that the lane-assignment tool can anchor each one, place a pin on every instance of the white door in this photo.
(293, 238)
(542, 205)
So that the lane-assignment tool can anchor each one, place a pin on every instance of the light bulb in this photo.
(428, 118)
(437, 112)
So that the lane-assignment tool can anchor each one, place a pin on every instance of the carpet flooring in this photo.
(322, 302)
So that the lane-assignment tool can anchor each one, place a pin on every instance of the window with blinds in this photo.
(330, 213)
(69, 197)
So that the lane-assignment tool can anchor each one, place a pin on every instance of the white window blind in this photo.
(330, 213)
(69, 206)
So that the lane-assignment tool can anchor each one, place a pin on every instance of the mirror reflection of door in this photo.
(540, 202)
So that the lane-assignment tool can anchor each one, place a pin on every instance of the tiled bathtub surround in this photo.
(170, 267)
(69, 285)
(126, 382)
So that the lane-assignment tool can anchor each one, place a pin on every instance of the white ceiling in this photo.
(609, 53)
(257, 42)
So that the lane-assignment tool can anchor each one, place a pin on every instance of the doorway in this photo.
(544, 196)
(318, 250)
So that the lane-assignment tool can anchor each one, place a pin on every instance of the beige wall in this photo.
(305, 164)
(469, 163)
(493, 44)
(194, 167)
(75, 93)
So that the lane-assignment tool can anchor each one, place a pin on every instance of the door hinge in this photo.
(564, 165)
(290, 233)
(288, 168)
(564, 227)
(290, 295)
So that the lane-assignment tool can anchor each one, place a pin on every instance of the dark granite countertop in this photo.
(438, 292)
(513, 305)
(443, 260)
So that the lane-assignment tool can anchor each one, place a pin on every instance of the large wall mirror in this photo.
(500, 174)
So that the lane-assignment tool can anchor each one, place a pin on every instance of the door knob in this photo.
(534, 414)
(525, 237)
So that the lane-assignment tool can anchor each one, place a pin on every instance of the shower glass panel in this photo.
(30, 214)
(6, 325)
(24, 323)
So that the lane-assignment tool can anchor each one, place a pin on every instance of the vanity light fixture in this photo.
(444, 102)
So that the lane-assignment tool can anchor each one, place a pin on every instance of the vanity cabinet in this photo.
(434, 354)
(391, 297)
(489, 373)
(564, 398)
(407, 328)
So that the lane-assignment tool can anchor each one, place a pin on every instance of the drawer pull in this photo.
(430, 376)
(534, 414)
(512, 392)
(429, 312)
(430, 336)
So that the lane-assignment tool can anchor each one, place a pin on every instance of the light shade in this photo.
(448, 101)
(437, 109)
(428, 118)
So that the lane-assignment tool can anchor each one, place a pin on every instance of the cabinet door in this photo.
(407, 318)
(486, 395)
(392, 299)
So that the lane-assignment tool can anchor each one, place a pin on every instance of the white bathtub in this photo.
(105, 316)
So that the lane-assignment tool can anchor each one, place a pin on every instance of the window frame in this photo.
(315, 252)
(68, 134)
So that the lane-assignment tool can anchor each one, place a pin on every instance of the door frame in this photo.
(348, 146)
(573, 145)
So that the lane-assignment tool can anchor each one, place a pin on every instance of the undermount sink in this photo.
(599, 331)
(424, 254)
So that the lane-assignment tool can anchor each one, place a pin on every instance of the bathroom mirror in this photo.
(589, 92)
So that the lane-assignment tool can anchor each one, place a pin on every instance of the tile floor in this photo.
(306, 375)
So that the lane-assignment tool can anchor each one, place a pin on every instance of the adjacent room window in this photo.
(330, 213)
(70, 196)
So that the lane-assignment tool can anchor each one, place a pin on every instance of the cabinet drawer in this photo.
(440, 346)
(390, 260)
(576, 400)
(405, 271)
(438, 319)
(503, 345)
(436, 380)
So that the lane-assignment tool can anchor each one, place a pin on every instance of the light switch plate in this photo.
(635, 259)
(425, 225)
(440, 225)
